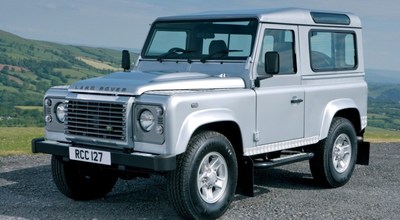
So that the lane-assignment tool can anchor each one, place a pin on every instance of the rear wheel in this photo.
(204, 183)
(335, 157)
(80, 180)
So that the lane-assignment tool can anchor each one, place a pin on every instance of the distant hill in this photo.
(383, 85)
(382, 77)
(29, 67)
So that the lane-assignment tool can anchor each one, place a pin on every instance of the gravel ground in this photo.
(27, 191)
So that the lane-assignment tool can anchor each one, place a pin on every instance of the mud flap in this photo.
(363, 153)
(245, 184)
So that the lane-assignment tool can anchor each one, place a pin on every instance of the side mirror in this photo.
(126, 60)
(271, 66)
(271, 62)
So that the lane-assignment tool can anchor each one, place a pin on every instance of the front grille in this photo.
(96, 119)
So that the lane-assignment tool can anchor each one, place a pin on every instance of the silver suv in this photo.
(212, 97)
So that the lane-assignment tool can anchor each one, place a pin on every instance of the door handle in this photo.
(296, 101)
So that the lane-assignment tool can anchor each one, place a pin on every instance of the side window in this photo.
(281, 41)
(332, 50)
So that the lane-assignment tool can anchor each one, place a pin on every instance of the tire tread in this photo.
(177, 184)
(319, 166)
(67, 179)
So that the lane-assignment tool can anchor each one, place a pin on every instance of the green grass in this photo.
(27, 75)
(71, 72)
(40, 108)
(17, 140)
(377, 135)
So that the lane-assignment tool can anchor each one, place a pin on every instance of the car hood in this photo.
(136, 82)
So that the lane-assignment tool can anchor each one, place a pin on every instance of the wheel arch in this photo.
(345, 108)
(219, 120)
(230, 130)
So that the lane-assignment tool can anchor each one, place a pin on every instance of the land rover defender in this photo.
(212, 97)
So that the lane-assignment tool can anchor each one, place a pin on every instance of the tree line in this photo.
(11, 116)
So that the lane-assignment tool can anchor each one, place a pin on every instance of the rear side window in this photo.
(331, 50)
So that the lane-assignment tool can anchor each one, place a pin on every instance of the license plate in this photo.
(88, 155)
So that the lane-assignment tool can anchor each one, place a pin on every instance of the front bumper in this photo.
(158, 163)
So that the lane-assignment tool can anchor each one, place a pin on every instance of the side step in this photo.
(247, 166)
(283, 160)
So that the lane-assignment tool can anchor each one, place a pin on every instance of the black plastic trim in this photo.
(157, 163)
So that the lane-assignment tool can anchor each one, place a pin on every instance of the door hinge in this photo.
(256, 136)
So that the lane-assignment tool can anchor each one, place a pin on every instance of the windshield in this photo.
(202, 40)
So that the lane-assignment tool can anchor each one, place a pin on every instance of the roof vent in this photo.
(329, 18)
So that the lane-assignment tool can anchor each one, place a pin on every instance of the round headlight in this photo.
(60, 112)
(146, 120)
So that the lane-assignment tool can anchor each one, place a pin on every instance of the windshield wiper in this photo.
(174, 51)
(223, 52)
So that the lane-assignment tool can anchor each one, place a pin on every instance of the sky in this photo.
(125, 23)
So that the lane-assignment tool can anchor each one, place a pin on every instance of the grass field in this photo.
(17, 140)
(40, 108)
(382, 136)
(97, 64)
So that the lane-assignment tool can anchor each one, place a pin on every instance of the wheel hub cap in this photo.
(212, 177)
(341, 154)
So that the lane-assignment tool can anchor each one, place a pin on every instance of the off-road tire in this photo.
(335, 157)
(209, 157)
(80, 180)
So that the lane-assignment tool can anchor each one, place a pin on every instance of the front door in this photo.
(280, 99)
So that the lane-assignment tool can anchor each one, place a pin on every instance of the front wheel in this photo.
(335, 157)
(81, 180)
(204, 183)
